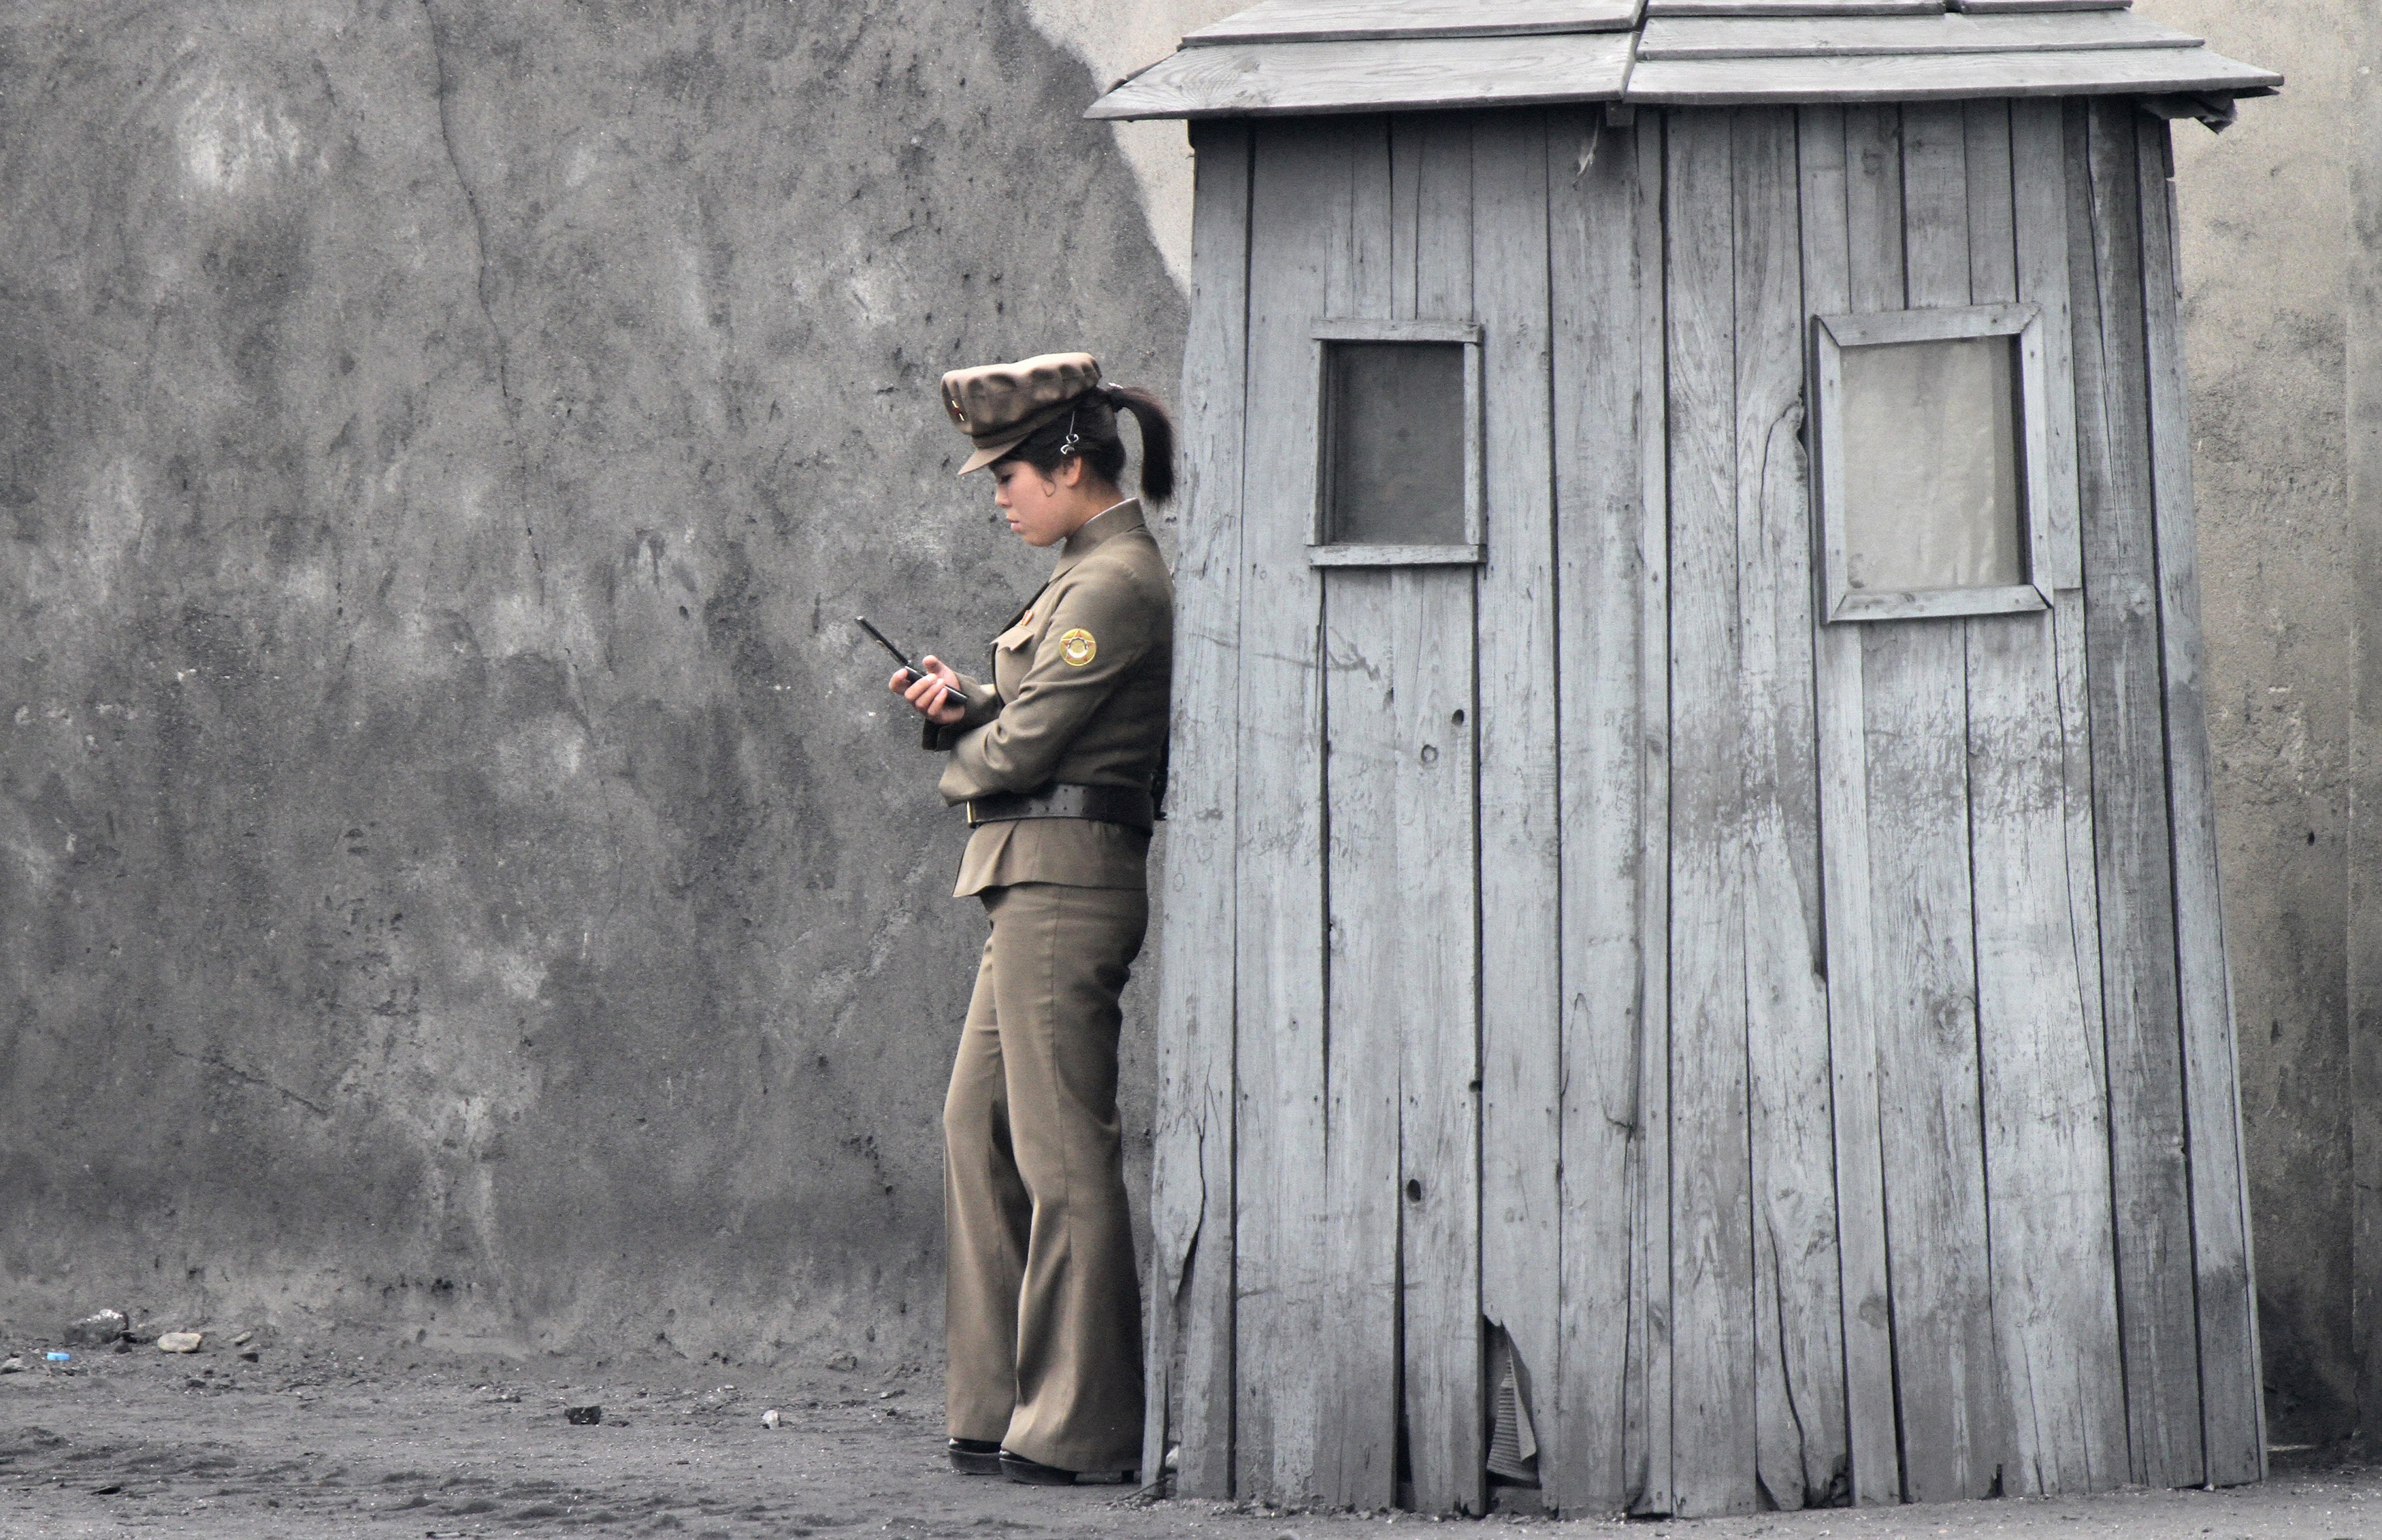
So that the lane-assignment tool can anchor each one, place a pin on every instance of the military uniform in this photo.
(1054, 758)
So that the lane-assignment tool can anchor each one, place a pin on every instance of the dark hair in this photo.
(1089, 432)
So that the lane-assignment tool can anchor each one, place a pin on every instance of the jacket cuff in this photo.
(936, 738)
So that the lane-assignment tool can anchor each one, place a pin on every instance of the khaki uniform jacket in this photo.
(1079, 694)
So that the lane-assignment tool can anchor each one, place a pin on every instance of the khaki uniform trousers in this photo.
(1044, 1304)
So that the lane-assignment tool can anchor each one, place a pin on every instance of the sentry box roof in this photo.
(1298, 57)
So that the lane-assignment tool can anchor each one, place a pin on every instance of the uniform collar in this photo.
(1101, 528)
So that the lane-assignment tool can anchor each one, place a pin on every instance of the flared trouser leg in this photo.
(1044, 1303)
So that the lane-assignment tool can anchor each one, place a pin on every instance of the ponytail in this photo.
(1157, 440)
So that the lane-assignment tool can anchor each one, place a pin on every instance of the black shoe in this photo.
(1032, 1472)
(974, 1457)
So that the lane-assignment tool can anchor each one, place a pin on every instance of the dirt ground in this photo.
(305, 1443)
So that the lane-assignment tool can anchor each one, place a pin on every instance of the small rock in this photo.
(179, 1341)
(251, 1356)
(843, 1363)
(770, 1419)
(243, 1340)
(583, 1416)
(97, 1329)
(12, 1365)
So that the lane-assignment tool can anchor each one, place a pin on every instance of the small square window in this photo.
(1930, 456)
(1397, 439)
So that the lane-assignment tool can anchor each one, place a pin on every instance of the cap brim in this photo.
(992, 452)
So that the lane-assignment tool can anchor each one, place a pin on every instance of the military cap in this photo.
(999, 405)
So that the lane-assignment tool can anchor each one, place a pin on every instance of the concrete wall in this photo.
(460, 872)
(459, 875)
(2266, 222)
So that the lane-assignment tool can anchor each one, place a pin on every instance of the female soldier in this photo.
(1054, 759)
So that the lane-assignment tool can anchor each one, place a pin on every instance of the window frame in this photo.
(1472, 550)
(1831, 337)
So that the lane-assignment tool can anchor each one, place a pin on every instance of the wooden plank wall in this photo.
(2044, 1086)
(1301, 189)
(1868, 1132)
(1357, 1454)
(2148, 1162)
(1609, 573)
(1399, 1244)
(1968, 956)
(1647, 1450)
(1758, 1383)
(1711, 1227)
(1520, 670)
(2232, 1408)
(1826, 152)
(1190, 1358)
(1799, 1383)
(1439, 1114)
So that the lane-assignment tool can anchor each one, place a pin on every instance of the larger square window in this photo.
(1930, 459)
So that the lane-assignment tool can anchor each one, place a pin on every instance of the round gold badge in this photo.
(1078, 648)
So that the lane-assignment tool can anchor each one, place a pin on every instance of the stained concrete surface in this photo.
(334, 1442)
(2265, 209)
(458, 868)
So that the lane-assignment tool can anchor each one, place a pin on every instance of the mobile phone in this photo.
(900, 656)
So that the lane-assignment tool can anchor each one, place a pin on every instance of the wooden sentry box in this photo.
(1640, 926)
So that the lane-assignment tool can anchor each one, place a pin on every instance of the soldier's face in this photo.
(1041, 511)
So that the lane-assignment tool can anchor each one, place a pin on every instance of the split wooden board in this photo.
(1938, 76)
(1794, 7)
(1281, 79)
(1677, 37)
(1358, 20)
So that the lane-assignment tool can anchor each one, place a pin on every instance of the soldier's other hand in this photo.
(935, 696)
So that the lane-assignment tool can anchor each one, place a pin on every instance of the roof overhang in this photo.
(1305, 57)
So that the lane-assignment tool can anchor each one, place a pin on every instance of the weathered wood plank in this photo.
(1189, 1367)
(1792, 7)
(1798, 1353)
(1433, 615)
(1599, 519)
(2039, 172)
(1299, 220)
(1440, 1126)
(2156, 1315)
(1275, 79)
(1788, 37)
(1356, 1446)
(1357, 1443)
(1521, 866)
(2232, 1405)
(1933, 76)
(1875, 1465)
(1353, 20)
(2009, 7)
(1647, 1444)
(2045, 1102)
(2038, 158)
(1913, 675)
(1712, 1214)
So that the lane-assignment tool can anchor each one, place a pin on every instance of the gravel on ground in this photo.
(307, 1442)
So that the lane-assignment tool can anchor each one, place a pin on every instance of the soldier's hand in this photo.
(935, 697)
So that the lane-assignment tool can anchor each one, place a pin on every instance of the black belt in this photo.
(1129, 805)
